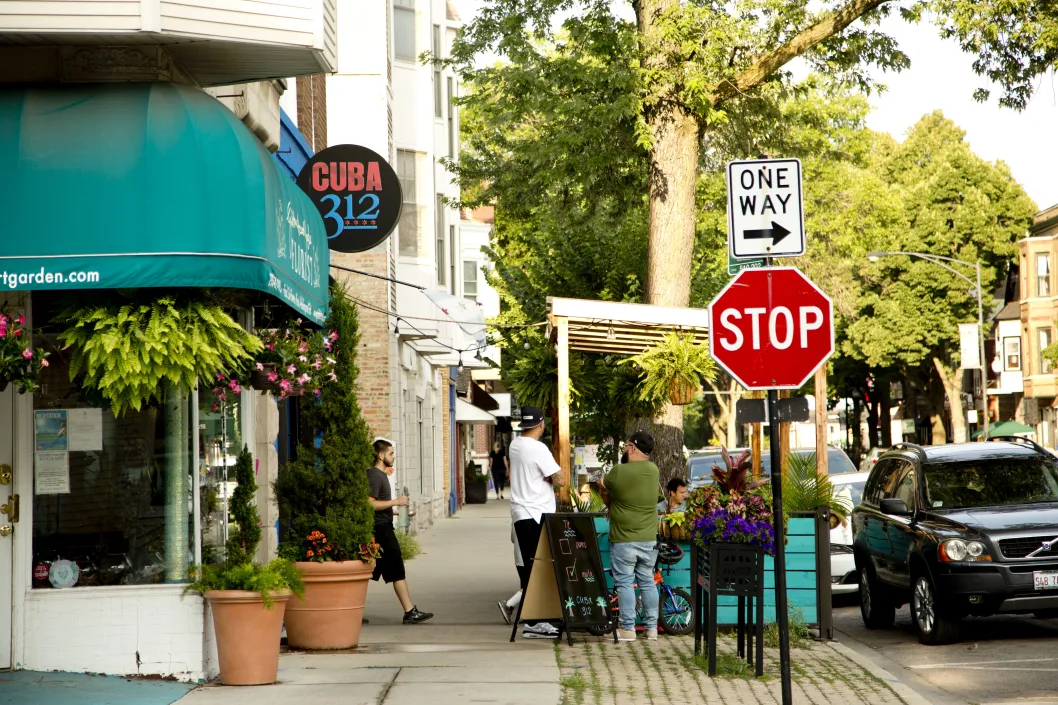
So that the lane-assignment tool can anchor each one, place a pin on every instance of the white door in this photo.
(8, 523)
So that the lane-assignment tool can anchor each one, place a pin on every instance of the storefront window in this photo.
(220, 441)
(113, 502)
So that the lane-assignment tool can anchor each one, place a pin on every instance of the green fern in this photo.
(674, 362)
(803, 490)
(129, 351)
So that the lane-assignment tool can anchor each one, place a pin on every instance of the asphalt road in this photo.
(997, 660)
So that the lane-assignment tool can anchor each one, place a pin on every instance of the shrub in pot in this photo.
(673, 370)
(324, 493)
(247, 600)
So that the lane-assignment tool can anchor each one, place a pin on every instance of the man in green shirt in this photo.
(633, 497)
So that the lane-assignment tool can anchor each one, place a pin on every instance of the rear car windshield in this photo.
(990, 482)
(851, 491)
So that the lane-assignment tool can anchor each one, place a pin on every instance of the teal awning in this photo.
(149, 185)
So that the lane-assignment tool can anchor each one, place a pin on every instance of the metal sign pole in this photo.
(781, 613)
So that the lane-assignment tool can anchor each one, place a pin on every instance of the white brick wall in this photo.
(122, 630)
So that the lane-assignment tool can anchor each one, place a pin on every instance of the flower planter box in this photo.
(801, 575)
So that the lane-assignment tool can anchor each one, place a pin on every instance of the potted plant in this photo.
(477, 484)
(20, 363)
(133, 352)
(805, 491)
(247, 600)
(673, 370)
(674, 525)
(734, 509)
(323, 500)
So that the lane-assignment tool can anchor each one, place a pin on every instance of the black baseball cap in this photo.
(532, 416)
(643, 441)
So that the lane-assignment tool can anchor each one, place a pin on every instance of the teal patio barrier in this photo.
(800, 572)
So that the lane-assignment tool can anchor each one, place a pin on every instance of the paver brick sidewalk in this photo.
(595, 671)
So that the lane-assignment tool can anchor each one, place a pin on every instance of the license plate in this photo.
(1045, 580)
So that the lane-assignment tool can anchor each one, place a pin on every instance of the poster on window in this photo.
(85, 429)
(50, 430)
(52, 472)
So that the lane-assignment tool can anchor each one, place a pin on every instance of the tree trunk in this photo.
(872, 424)
(857, 432)
(887, 417)
(673, 176)
(953, 390)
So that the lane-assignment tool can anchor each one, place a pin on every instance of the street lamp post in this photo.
(940, 262)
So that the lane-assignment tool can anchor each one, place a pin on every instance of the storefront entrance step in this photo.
(59, 688)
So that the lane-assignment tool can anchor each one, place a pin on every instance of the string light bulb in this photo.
(610, 334)
(396, 327)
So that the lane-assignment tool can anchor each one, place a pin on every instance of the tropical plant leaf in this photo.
(804, 490)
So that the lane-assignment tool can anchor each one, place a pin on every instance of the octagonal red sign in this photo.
(771, 328)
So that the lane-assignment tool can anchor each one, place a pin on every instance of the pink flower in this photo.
(333, 336)
(271, 346)
(28, 354)
(326, 345)
(272, 376)
(334, 377)
(317, 365)
(304, 379)
(284, 384)
(234, 384)
(43, 362)
(303, 347)
(292, 369)
(260, 367)
(18, 332)
(219, 376)
(21, 320)
(331, 360)
(303, 358)
(299, 321)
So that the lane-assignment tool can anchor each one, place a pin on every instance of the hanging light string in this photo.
(411, 325)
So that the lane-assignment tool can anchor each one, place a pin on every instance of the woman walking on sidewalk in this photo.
(501, 468)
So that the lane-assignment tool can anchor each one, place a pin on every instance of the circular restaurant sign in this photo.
(357, 193)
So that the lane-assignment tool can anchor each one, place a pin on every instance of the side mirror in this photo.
(894, 507)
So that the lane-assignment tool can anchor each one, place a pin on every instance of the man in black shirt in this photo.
(390, 566)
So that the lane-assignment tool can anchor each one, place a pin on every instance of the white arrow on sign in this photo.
(765, 212)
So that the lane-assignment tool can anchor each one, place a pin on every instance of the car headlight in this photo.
(963, 551)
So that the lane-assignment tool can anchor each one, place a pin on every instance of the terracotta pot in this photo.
(682, 393)
(248, 635)
(330, 614)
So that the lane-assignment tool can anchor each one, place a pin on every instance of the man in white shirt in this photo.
(534, 477)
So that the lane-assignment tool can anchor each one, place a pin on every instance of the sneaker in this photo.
(623, 635)
(542, 630)
(505, 611)
(652, 634)
(414, 616)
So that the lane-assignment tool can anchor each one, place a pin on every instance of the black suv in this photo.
(957, 530)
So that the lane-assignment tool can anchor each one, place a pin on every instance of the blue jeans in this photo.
(632, 563)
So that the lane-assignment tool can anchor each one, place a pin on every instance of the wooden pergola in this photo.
(610, 328)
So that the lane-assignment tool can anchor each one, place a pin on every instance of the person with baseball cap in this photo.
(534, 477)
(632, 489)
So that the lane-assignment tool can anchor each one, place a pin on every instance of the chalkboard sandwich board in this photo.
(566, 581)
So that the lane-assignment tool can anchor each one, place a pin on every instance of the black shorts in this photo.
(390, 565)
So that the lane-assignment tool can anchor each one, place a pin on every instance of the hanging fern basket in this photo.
(682, 392)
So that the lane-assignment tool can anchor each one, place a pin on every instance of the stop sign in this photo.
(771, 328)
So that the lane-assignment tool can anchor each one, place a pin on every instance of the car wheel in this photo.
(933, 625)
(876, 608)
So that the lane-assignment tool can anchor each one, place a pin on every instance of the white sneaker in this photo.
(652, 634)
(505, 611)
(542, 630)
(623, 635)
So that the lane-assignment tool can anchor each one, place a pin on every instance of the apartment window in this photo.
(439, 214)
(404, 29)
(452, 259)
(1044, 338)
(451, 119)
(1043, 275)
(438, 97)
(407, 168)
(470, 280)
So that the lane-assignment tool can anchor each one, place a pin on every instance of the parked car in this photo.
(870, 458)
(848, 488)
(700, 466)
(958, 530)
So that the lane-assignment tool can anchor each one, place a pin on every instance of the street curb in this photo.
(903, 691)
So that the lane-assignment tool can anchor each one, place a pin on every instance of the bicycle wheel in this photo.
(676, 611)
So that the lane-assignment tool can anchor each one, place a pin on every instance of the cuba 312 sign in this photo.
(357, 194)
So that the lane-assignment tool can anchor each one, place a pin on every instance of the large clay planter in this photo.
(248, 635)
(331, 613)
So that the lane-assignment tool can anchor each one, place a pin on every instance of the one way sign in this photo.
(765, 216)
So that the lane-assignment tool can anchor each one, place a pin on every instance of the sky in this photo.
(941, 78)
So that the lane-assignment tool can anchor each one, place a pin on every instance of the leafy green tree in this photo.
(954, 204)
(325, 489)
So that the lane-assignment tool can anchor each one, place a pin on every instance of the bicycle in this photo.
(675, 606)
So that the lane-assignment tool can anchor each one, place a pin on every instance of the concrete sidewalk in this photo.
(462, 655)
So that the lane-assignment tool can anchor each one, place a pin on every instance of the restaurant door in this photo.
(8, 523)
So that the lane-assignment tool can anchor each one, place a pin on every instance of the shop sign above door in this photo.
(357, 193)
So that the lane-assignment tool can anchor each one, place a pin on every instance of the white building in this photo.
(384, 98)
